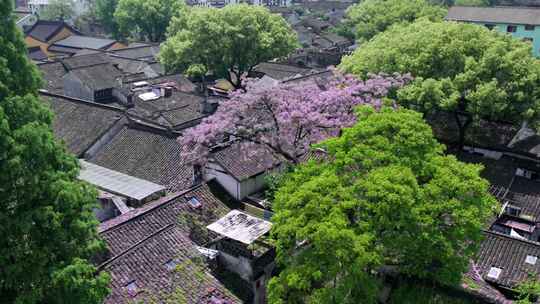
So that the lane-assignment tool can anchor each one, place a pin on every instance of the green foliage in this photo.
(472, 2)
(419, 293)
(58, 10)
(48, 227)
(105, 14)
(389, 196)
(229, 40)
(370, 17)
(528, 291)
(146, 19)
(461, 68)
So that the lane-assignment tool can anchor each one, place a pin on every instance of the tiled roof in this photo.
(80, 124)
(53, 74)
(146, 154)
(319, 77)
(498, 172)
(139, 52)
(234, 160)
(80, 42)
(44, 30)
(35, 53)
(77, 62)
(160, 267)
(512, 15)
(130, 228)
(508, 254)
(280, 71)
(174, 111)
(490, 134)
(98, 77)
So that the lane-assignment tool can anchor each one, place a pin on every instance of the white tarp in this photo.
(240, 226)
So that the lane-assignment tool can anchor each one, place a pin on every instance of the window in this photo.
(489, 26)
(511, 29)
(171, 264)
(194, 202)
(131, 288)
(531, 259)
(512, 210)
(494, 273)
(529, 27)
(528, 39)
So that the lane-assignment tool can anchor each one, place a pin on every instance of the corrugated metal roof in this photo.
(82, 42)
(512, 15)
(118, 183)
(240, 226)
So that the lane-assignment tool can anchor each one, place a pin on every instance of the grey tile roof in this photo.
(529, 204)
(145, 269)
(174, 112)
(280, 71)
(498, 172)
(128, 229)
(146, 154)
(80, 42)
(97, 77)
(507, 253)
(234, 160)
(44, 30)
(77, 62)
(139, 52)
(53, 74)
(512, 15)
(35, 53)
(80, 124)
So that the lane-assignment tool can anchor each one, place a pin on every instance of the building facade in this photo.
(520, 22)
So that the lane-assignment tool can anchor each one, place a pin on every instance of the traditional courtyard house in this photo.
(505, 261)
(156, 254)
(238, 173)
(44, 33)
(520, 22)
(242, 249)
(94, 83)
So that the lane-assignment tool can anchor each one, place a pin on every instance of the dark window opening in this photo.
(529, 27)
(489, 26)
(511, 29)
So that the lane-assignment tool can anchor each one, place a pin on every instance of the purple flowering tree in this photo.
(289, 117)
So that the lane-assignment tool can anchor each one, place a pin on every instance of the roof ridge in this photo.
(150, 207)
(502, 235)
(132, 247)
(306, 76)
(81, 101)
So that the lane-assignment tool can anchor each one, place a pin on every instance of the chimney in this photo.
(197, 174)
(207, 107)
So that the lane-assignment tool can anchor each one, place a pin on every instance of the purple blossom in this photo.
(288, 118)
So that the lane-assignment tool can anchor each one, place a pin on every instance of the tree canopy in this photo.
(386, 196)
(226, 41)
(48, 228)
(104, 10)
(58, 10)
(464, 69)
(370, 17)
(144, 19)
(287, 118)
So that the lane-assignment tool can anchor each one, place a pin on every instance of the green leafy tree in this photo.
(528, 291)
(58, 10)
(227, 42)
(371, 17)
(105, 15)
(47, 225)
(146, 19)
(464, 69)
(387, 196)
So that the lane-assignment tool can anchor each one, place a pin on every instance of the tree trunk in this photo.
(462, 128)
